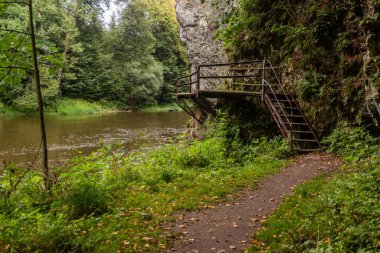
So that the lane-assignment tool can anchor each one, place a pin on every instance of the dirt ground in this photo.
(229, 226)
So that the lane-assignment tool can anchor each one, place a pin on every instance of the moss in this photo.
(320, 45)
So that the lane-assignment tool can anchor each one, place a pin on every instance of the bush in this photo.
(341, 215)
(86, 198)
(353, 144)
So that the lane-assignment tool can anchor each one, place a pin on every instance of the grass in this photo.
(67, 106)
(161, 108)
(110, 201)
(337, 214)
(327, 215)
(74, 107)
(8, 112)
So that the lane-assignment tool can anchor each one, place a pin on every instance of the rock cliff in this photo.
(333, 65)
(198, 24)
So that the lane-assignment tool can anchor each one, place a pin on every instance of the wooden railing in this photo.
(242, 79)
(229, 71)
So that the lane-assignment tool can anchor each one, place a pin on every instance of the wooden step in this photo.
(281, 96)
(286, 107)
(294, 116)
(301, 132)
(305, 140)
(307, 150)
(298, 124)
(285, 100)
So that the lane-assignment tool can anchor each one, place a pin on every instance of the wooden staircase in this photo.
(291, 122)
(248, 79)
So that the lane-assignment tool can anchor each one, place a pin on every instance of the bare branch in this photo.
(14, 31)
(15, 67)
(14, 2)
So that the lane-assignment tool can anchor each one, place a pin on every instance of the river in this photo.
(68, 136)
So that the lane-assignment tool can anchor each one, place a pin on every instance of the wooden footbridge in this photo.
(247, 79)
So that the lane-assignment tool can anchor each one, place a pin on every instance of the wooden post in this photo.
(46, 171)
(198, 76)
(262, 82)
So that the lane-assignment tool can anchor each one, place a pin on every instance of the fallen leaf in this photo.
(146, 238)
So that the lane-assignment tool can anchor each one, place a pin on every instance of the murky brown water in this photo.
(67, 136)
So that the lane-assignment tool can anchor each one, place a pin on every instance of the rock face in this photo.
(198, 24)
(371, 59)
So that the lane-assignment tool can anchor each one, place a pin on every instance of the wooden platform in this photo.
(263, 81)
(219, 94)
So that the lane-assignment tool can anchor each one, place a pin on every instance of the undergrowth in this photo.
(112, 201)
(67, 106)
(338, 214)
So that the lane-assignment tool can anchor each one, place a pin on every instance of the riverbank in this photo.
(76, 107)
(111, 201)
(64, 107)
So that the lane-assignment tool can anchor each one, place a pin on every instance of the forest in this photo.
(131, 180)
(132, 61)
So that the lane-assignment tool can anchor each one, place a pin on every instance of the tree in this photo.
(13, 55)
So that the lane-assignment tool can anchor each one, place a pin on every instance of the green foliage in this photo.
(268, 149)
(338, 214)
(318, 45)
(99, 203)
(310, 86)
(133, 62)
(241, 148)
(68, 106)
(353, 144)
(86, 198)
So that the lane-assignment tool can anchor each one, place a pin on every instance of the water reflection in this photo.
(20, 139)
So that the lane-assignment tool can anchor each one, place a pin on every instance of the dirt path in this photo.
(228, 226)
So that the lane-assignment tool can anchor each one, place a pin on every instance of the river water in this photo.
(68, 136)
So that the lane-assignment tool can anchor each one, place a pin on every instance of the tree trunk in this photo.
(46, 172)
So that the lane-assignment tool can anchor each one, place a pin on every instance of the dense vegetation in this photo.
(133, 61)
(339, 214)
(99, 203)
(111, 201)
(329, 55)
(328, 51)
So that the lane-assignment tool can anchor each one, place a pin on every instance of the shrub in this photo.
(353, 144)
(86, 198)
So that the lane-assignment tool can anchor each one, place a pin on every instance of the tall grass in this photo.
(67, 106)
(112, 201)
(339, 214)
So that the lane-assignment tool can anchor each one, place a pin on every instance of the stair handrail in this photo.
(283, 91)
(274, 94)
(280, 84)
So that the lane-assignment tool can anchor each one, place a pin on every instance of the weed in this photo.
(340, 214)
(109, 201)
